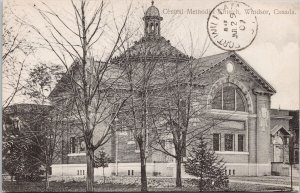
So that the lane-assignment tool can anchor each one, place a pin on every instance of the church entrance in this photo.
(277, 149)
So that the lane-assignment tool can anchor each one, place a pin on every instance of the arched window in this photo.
(152, 27)
(230, 98)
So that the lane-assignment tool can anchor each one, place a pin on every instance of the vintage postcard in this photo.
(150, 95)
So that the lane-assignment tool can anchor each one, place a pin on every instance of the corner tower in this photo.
(152, 21)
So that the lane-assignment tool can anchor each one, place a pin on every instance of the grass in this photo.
(80, 187)
(64, 187)
(269, 179)
(243, 187)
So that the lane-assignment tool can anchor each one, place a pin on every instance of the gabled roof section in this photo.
(282, 129)
(209, 62)
(63, 82)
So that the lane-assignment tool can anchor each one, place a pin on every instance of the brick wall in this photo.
(263, 129)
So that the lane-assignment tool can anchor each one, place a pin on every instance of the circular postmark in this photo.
(230, 26)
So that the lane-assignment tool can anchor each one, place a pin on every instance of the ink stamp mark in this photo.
(230, 27)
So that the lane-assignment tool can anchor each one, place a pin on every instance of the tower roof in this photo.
(152, 45)
(152, 11)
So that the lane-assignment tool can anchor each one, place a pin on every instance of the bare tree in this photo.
(87, 84)
(181, 115)
(144, 85)
(16, 49)
(135, 114)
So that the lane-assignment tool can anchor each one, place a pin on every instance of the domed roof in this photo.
(152, 11)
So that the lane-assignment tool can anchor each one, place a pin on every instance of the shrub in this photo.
(209, 170)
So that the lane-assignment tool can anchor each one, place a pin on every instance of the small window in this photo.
(296, 157)
(81, 144)
(73, 145)
(128, 172)
(230, 67)
(240, 142)
(225, 172)
(82, 172)
(233, 172)
(216, 141)
(229, 142)
(285, 140)
(132, 172)
(229, 172)
(77, 172)
(152, 27)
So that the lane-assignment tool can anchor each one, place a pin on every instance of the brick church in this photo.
(253, 140)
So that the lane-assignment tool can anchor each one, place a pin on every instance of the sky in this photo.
(274, 53)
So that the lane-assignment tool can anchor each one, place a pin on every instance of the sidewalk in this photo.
(263, 183)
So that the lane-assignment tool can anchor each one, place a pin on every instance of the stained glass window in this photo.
(217, 102)
(240, 142)
(229, 98)
(73, 145)
(216, 142)
(229, 142)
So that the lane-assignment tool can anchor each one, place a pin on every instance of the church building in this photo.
(253, 140)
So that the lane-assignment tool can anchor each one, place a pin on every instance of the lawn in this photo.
(80, 187)
(269, 179)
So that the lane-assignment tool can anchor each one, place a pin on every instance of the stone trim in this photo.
(239, 84)
(233, 152)
(76, 154)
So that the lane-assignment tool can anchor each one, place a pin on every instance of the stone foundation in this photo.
(156, 170)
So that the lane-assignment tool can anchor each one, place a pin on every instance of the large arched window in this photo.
(230, 98)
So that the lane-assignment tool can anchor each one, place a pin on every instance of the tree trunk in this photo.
(90, 171)
(47, 181)
(178, 172)
(143, 170)
(103, 176)
(201, 183)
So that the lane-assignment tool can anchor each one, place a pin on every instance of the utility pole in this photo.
(291, 177)
(291, 158)
(117, 145)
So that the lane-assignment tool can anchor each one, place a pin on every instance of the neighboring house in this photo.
(251, 139)
(284, 126)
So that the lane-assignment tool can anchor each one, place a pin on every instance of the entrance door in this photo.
(278, 149)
